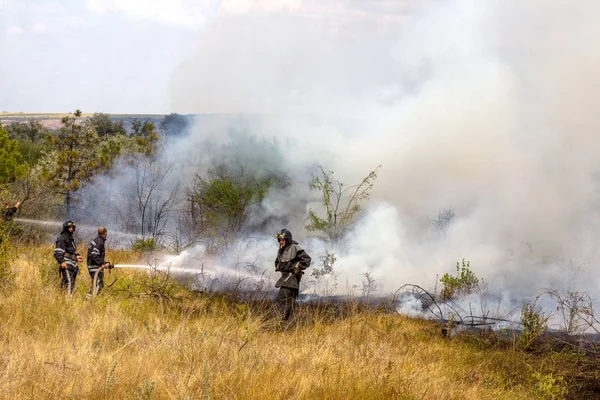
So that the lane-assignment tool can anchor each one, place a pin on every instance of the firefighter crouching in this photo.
(65, 253)
(291, 261)
(96, 262)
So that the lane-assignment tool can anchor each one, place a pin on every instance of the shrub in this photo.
(145, 245)
(465, 281)
(534, 324)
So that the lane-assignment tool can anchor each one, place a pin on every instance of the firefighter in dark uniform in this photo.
(95, 260)
(65, 253)
(291, 261)
(9, 212)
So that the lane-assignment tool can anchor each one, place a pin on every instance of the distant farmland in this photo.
(52, 120)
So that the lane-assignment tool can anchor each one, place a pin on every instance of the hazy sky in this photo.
(123, 55)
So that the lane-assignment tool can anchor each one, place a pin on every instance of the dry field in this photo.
(53, 120)
(131, 343)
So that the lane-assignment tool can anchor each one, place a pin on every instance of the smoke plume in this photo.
(485, 107)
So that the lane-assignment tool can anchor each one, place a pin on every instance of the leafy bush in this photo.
(145, 245)
(341, 203)
(547, 386)
(465, 281)
(534, 324)
(11, 160)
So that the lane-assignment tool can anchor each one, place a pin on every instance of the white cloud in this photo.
(14, 30)
(243, 6)
(192, 14)
(184, 13)
(39, 27)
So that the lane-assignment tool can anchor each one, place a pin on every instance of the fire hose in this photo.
(107, 265)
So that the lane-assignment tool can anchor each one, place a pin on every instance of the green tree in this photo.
(341, 202)
(31, 136)
(80, 155)
(145, 140)
(31, 130)
(174, 124)
(221, 202)
(11, 160)
(105, 126)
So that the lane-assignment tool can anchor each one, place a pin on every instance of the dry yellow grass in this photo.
(119, 346)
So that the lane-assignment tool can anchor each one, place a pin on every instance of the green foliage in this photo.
(465, 281)
(104, 126)
(33, 151)
(80, 155)
(31, 137)
(342, 203)
(11, 160)
(222, 201)
(174, 124)
(535, 323)
(548, 386)
(109, 151)
(144, 140)
(145, 245)
(32, 131)
(33, 189)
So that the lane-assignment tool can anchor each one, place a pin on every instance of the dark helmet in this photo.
(285, 234)
(67, 224)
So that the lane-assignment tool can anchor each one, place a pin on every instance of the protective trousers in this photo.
(68, 279)
(286, 299)
(99, 284)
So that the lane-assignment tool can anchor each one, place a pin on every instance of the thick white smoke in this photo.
(486, 107)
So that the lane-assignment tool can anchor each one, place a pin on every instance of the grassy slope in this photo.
(124, 346)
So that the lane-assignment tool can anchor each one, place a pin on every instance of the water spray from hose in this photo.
(176, 270)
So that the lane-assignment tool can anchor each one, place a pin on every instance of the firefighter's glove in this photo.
(297, 269)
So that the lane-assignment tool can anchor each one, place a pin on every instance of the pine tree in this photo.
(81, 154)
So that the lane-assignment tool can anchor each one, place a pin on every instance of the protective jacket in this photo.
(95, 255)
(9, 213)
(65, 250)
(291, 261)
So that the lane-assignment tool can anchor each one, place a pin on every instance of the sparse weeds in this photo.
(324, 271)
